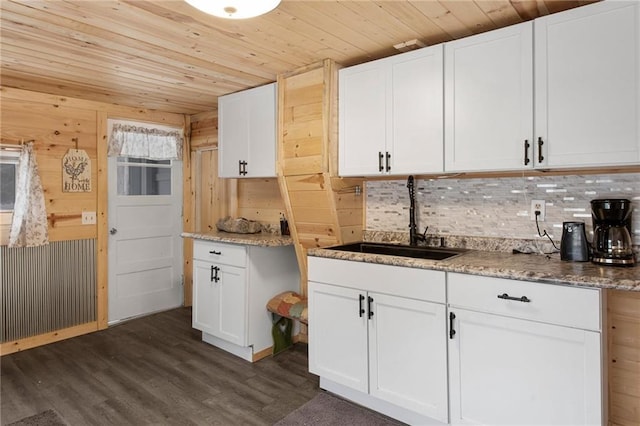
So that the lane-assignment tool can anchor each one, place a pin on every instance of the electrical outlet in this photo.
(88, 218)
(538, 206)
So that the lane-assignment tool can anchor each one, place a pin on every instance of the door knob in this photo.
(113, 231)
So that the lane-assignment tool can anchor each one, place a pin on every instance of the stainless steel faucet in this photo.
(414, 237)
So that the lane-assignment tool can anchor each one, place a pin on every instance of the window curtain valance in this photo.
(156, 144)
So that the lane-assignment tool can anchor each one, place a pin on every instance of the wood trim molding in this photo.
(102, 262)
(14, 346)
(188, 215)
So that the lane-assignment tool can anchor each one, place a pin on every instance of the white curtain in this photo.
(29, 227)
(132, 141)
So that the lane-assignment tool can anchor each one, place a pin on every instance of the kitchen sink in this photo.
(416, 252)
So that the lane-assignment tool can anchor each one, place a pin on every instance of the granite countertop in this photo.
(259, 239)
(529, 267)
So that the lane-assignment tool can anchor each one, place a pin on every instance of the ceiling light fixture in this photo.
(235, 9)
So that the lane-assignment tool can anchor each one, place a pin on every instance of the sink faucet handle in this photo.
(424, 234)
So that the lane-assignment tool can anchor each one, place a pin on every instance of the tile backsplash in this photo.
(497, 207)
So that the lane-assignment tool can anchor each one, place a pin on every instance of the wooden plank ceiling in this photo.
(165, 55)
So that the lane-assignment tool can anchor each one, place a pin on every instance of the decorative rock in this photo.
(239, 225)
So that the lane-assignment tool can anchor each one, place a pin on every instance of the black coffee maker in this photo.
(612, 243)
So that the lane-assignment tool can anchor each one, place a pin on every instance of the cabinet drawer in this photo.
(554, 304)
(226, 254)
(414, 283)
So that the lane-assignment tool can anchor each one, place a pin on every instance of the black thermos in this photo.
(574, 245)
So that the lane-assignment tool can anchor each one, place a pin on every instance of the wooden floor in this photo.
(152, 370)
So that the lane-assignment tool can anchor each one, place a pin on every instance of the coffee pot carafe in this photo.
(612, 244)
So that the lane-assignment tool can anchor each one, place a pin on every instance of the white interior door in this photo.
(145, 247)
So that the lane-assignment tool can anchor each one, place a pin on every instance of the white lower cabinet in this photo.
(391, 348)
(469, 350)
(515, 361)
(219, 307)
(338, 335)
(232, 284)
(406, 367)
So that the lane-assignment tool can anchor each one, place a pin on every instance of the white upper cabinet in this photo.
(391, 115)
(247, 133)
(587, 82)
(578, 106)
(489, 100)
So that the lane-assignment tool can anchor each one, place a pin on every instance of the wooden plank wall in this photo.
(322, 209)
(54, 127)
(623, 323)
(54, 122)
(260, 199)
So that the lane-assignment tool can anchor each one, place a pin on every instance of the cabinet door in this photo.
(338, 335)
(204, 297)
(233, 134)
(247, 133)
(261, 158)
(363, 120)
(408, 355)
(231, 306)
(506, 371)
(417, 110)
(219, 308)
(489, 100)
(588, 85)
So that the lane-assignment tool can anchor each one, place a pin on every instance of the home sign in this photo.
(76, 171)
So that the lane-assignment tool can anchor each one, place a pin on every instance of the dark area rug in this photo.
(46, 418)
(326, 409)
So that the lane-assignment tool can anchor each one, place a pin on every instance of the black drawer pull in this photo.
(215, 252)
(369, 302)
(388, 161)
(505, 296)
(360, 307)
(526, 152)
(452, 331)
(380, 158)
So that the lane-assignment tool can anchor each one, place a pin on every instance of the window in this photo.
(140, 176)
(8, 164)
(8, 167)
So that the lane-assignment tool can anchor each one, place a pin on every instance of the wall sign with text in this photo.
(76, 171)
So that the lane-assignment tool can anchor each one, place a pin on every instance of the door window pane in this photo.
(140, 176)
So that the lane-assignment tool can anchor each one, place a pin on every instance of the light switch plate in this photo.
(88, 218)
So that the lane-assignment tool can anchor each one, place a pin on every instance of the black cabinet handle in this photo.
(215, 252)
(452, 331)
(214, 274)
(380, 158)
(360, 308)
(540, 143)
(242, 168)
(505, 296)
(526, 152)
(388, 161)
(369, 302)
